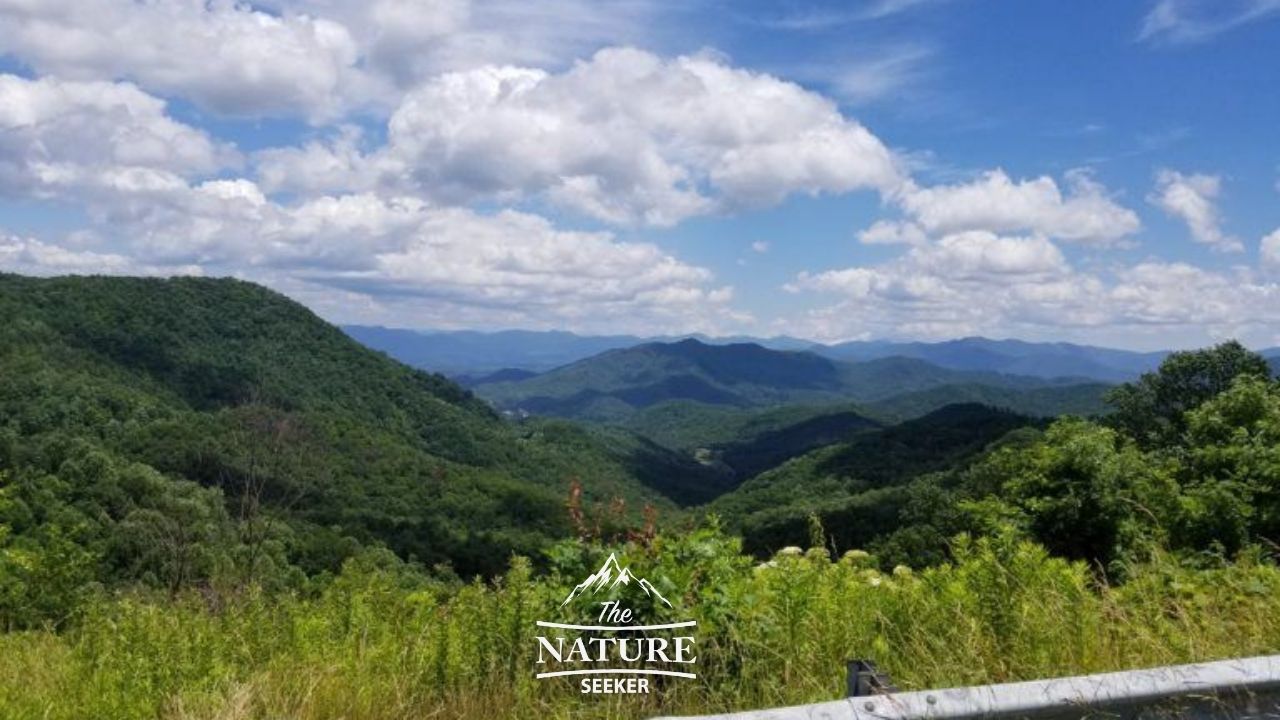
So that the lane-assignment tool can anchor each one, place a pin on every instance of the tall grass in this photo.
(374, 643)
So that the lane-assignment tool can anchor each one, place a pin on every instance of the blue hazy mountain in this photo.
(614, 384)
(475, 354)
(1015, 357)
(472, 355)
(1273, 359)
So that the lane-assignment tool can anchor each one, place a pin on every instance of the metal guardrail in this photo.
(1241, 688)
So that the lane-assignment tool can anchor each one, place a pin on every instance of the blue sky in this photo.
(925, 169)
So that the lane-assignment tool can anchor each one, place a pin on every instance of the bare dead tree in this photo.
(273, 472)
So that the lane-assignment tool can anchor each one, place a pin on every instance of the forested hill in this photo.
(206, 344)
(131, 408)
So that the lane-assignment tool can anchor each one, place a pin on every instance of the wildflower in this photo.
(857, 557)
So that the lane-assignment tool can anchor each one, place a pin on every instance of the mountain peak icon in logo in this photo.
(609, 576)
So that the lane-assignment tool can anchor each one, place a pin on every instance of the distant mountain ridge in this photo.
(1273, 359)
(473, 354)
(1016, 357)
(612, 385)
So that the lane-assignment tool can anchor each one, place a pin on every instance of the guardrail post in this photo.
(865, 679)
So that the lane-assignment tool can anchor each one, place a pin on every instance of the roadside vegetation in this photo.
(383, 640)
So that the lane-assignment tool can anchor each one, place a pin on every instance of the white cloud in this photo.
(892, 232)
(407, 257)
(1175, 293)
(1191, 21)
(408, 41)
(222, 55)
(625, 137)
(142, 179)
(977, 283)
(968, 257)
(60, 135)
(33, 257)
(996, 203)
(1269, 251)
(485, 106)
(308, 58)
(333, 164)
(963, 284)
(1192, 199)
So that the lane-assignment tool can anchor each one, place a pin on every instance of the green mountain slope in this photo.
(689, 425)
(1084, 399)
(199, 383)
(857, 488)
(753, 455)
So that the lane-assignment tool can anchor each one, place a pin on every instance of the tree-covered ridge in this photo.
(1084, 400)
(1189, 462)
(688, 425)
(169, 431)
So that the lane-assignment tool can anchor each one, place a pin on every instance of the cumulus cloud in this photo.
(334, 163)
(448, 262)
(962, 284)
(152, 189)
(970, 257)
(978, 283)
(953, 287)
(59, 135)
(1193, 200)
(996, 203)
(486, 105)
(407, 41)
(1269, 251)
(32, 257)
(625, 137)
(308, 58)
(222, 55)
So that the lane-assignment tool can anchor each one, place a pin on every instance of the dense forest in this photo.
(214, 504)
